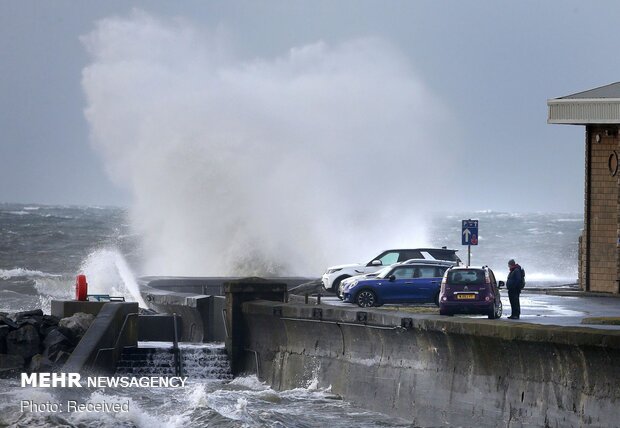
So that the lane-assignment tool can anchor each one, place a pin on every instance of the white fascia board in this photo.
(582, 100)
(584, 111)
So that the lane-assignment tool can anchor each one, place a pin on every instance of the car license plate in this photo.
(465, 296)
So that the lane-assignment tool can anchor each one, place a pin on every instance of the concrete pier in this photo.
(435, 370)
(237, 293)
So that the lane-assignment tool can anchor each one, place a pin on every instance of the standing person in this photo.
(513, 284)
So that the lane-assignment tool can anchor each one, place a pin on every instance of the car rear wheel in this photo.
(497, 312)
(444, 312)
(366, 299)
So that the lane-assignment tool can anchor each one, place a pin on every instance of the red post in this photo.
(81, 288)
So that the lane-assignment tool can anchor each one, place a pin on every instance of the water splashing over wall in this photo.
(264, 166)
(107, 272)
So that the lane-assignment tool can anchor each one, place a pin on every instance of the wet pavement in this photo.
(565, 310)
(546, 309)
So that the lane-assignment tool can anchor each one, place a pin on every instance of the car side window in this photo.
(407, 255)
(492, 277)
(443, 255)
(403, 272)
(441, 271)
(426, 272)
(389, 258)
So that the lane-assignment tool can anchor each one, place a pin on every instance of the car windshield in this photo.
(465, 276)
(383, 272)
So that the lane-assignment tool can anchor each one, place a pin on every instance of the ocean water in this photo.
(42, 248)
(243, 402)
(545, 244)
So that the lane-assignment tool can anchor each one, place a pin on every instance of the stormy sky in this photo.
(442, 99)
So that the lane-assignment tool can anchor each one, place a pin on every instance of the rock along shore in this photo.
(34, 342)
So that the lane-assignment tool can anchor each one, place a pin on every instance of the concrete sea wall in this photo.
(199, 301)
(200, 316)
(114, 327)
(434, 370)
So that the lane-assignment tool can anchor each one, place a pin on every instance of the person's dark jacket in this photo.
(515, 278)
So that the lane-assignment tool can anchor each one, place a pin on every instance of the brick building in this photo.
(599, 245)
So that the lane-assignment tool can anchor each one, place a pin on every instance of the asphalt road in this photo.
(546, 309)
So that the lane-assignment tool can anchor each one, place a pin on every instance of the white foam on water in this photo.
(313, 384)
(136, 416)
(16, 394)
(23, 272)
(242, 405)
(196, 394)
(229, 404)
(209, 345)
(53, 289)
(155, 344)
(250, 382)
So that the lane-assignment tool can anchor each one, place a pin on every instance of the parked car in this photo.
(402, 283)
(470, 290)
(350, 280)
(335, 274)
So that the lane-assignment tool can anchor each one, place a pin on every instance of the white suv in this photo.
(332, 277)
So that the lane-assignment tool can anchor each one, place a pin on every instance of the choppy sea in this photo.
(42, 248)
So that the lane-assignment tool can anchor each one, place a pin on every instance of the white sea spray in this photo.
(265, 165)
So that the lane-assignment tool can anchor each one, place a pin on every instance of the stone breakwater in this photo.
(436, 371)
(34, 342)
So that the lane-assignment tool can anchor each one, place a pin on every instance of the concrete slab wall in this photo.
(115, 326)
(238, 292)
(159, 328)
(202, 316)
(436, 371)
(211, 286)
(66, 308)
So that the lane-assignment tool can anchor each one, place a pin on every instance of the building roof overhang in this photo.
(595, 106)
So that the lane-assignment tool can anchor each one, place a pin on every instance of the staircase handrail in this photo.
(116, 350)
(175, 347)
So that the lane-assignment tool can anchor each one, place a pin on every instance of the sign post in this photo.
(469, 236)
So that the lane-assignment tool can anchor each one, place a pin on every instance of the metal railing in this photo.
(178, 365)
(117, 349)
(224, 315)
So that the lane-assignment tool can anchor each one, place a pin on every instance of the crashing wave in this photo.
(23, 272)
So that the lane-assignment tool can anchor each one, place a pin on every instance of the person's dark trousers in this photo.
(515, 305)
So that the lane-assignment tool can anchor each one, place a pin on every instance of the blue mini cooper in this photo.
(400, 283)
